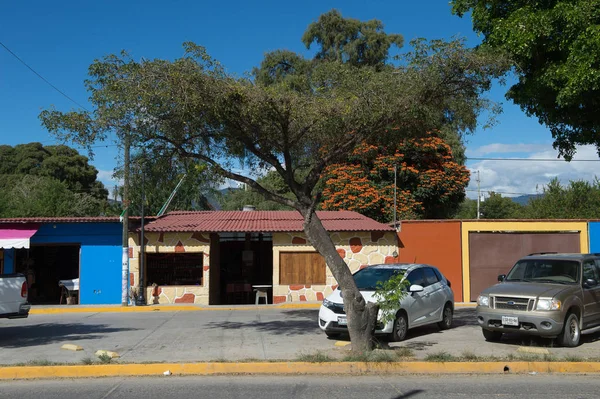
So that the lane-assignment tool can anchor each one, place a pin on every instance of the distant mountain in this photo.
(524, 199)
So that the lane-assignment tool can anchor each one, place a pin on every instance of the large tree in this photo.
(37, 180)
(430, 183)
(576, 200)
(555, 49)
(192, 105)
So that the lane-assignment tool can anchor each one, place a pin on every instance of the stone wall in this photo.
(172, 243)
(358, 249)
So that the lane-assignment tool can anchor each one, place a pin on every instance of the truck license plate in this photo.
(342, 321)
(510, 321)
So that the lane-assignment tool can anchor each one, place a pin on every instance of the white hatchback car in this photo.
(429, 300)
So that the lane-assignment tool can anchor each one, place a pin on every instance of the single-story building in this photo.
(49, 249)
(216, 257)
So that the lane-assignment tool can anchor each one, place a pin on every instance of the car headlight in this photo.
(328, 304)
(548, 304)
(483, 300)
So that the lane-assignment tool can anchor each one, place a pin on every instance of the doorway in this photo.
(44, 266)
(245, 259)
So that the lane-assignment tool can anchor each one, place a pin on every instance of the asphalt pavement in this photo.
(274, 387)
(254, 334)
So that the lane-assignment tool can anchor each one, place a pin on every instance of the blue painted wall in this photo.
(9, 260)
(594, 229)
(100, 261)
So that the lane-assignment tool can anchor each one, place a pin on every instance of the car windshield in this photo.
(556, 271)
(369, 278)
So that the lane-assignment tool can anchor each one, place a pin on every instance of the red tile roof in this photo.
(63, 219)
(260, 221)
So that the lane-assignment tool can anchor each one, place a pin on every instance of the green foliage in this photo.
(389, 294)
(350, 40)
(38, 180)
(554, 47)
(496, 206)
(235, 199)
(157, 176)
(578, 200)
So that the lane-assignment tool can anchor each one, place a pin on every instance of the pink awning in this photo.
(17, 235)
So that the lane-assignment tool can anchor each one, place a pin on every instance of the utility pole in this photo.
(478, 193)
(395, 186)
(142, 291)
(125, 221)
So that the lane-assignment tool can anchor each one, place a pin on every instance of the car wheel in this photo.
(571, 333)
(400, 327)
(332, 334)
(446, 322)
(491, 336)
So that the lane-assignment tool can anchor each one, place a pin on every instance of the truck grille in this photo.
(511, 303)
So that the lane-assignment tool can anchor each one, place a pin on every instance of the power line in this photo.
(502, 192)
(532, 159)
(41, 77)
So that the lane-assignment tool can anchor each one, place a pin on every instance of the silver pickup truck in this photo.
(13, 296)
(547, 294)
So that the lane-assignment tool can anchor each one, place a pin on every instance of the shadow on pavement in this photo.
(464, 317)
(49, 333)
(294, 322)
(409, 394)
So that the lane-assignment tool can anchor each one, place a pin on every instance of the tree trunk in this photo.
(362, 316)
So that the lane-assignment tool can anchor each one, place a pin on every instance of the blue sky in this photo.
(61, 39)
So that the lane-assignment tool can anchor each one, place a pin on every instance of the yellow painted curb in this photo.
(189, 308)
(71, 347)
(295, 368)
(342, 343)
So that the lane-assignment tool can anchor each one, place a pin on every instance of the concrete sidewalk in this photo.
(58, 309)
(256, 339)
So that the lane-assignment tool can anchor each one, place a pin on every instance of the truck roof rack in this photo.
(542, 253)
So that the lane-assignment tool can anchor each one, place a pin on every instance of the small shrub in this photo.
(317, 357)
(403, 352)
(87, 361)
(105, 358)
(469, 356)
(439, 357)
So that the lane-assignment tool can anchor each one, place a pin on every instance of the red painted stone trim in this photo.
(356, 244)
(298, 241)
(279, 299)
(186, 298)
(179, 248)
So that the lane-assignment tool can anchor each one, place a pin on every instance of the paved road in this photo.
(414, 387)
(215, 335)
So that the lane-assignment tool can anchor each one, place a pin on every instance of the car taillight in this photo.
(24, 290)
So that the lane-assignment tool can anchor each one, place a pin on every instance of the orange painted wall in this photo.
(436, 243)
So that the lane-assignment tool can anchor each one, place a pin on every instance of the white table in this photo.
(261, 292)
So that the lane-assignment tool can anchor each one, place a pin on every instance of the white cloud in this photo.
(514, 178)
(498, 148)
(106, 177)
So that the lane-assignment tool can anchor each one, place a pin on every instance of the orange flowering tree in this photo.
(431, 184)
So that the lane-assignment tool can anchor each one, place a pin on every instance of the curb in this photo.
(168, 308)
(181, 308)
(295, 368)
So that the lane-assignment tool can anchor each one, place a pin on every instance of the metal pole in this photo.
(142, 292)
(478, 194)
(125, 221)
(395, 186)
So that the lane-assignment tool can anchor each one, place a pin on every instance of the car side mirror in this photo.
(590, 282)
(416, 288)
(501, 278)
